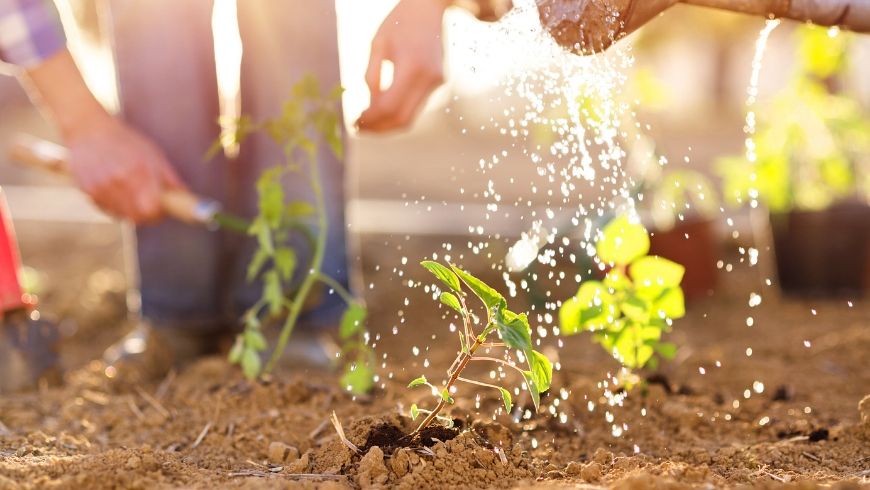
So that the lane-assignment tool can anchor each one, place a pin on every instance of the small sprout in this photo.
(513, 328)
(418, 382)
(633, 306)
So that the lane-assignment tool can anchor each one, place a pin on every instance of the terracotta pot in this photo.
(823, 253)
(693, 244)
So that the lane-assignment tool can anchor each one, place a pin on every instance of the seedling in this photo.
(636, 302)
(513, 330)
(308, 112)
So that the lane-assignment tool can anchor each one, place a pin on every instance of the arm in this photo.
(120, 169)
(583, 26)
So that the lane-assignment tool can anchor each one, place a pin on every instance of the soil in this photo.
(702, 420)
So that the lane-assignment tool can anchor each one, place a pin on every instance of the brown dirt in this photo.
(207, 427)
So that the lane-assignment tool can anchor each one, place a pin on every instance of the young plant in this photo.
(636, 302)
(308, 112)
(813, 137)
(512, 328)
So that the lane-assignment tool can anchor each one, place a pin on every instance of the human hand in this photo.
(410, 37)
(121, 170)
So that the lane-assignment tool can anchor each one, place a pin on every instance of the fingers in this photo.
(396, 107)
(373, 71)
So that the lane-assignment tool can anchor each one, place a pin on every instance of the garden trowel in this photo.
(28, 344)
(179, 204)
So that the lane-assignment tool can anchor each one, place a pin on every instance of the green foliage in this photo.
(636, 302)
(512, 328)
(275, 263)
(812, 139)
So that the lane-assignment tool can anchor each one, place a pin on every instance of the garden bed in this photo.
(693, 426)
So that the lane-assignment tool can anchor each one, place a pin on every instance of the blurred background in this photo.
(688, 83)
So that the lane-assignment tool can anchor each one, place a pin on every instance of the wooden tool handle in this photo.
(50, 157)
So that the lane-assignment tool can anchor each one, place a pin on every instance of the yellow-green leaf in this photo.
(622, 241)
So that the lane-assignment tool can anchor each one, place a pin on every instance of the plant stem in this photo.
(316, 264)
(462, 360)
(500, 361)
(337, 287)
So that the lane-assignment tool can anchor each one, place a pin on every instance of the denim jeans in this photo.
(191, 277)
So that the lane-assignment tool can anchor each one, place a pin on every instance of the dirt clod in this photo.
(372, 470)
(591, 472)
(494, 433)
(602, 456)
(279, 453)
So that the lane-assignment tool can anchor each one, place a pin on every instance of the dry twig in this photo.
(135, 408)
(153, 402)
(201, 436)
(340, 430)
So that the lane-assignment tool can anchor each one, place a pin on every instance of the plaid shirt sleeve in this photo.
(30, 32)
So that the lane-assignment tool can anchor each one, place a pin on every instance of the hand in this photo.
(410, 37)
(119, 168)
(122, 171)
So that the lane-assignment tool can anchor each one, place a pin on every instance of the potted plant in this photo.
(807, 166)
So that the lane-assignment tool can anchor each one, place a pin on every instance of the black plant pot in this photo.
(823, 253)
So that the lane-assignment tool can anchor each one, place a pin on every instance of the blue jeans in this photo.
(190, 277)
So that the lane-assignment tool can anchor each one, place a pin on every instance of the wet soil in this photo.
(785, 414)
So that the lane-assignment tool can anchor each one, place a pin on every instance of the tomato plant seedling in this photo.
(308, 112)
(636, 302)
(512, 328)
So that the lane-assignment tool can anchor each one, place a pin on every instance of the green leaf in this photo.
(271, 194)
(285, 262)
(667, 350)
(415, 412)
(257, 261)
(591, 308)
(418, 382)
(308, 87)
(452, 301)
(514, 329)
(533, 390)
(260, 229)
(251, 363)
(299, 209)
(238, 349)
(541, 370)
(445, 395)
(490, 297)
(358, 379)
(255, 340)
(635, 309)
(622, 241)
(352, 321)
(444, 274)
(506, 397)
(631, 349)
(671, 304)
(657, 271)
(273, 291)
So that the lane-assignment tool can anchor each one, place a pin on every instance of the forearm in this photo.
(849, 14)
(57, 87)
